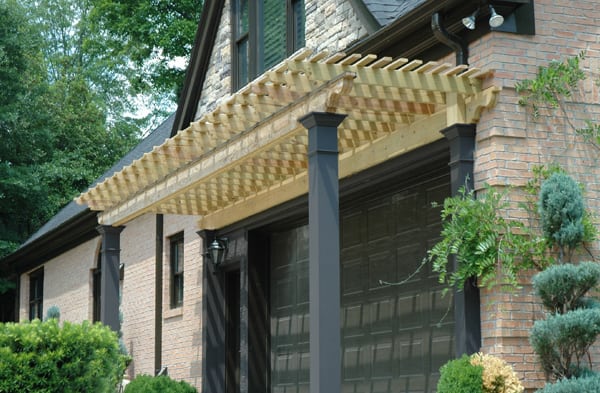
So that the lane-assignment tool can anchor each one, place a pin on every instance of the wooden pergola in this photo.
(249, 153)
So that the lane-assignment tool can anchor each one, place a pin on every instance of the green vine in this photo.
(552, 86)
(485, 245)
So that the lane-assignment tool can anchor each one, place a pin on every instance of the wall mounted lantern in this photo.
(217, 250)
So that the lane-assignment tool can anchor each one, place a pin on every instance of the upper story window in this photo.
(176, 261)
(36, 294)
(264, 33)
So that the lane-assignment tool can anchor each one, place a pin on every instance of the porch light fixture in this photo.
(469, 21)
(496, 20)
(216, 250)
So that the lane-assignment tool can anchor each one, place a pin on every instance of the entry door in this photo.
(394, 337)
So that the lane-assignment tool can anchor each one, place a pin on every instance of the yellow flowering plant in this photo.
(498, 376)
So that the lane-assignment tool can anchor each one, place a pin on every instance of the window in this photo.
(36, 294)
(264, 33)
(176, 259)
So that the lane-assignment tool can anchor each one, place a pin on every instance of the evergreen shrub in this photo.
(460, 376)
(160, 384)
(478, 373)
(562, 341)
(588, 384)
(562, 287)
(43, 357)
(561, 211)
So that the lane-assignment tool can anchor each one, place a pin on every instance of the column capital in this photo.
(321, 119)
(459, 130)
(109, 229)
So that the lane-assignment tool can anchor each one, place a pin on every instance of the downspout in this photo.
(457, 43)
(158, 289)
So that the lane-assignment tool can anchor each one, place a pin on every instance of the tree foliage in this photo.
(72, 76)
(149, 33)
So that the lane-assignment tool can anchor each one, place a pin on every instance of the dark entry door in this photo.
(394, 337)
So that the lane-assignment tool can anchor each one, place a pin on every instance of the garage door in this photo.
(394, 337)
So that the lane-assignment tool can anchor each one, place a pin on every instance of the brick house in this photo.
(271, 115)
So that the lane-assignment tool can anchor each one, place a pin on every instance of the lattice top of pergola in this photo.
(249, 153)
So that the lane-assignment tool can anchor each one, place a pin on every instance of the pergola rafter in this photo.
(249, 153)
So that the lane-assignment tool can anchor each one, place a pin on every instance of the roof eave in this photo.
(199, 62)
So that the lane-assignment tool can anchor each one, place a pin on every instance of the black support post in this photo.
(109, 281)
(213, 324)
(324, 252)
(467, 317)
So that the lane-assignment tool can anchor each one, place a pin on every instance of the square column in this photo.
(109, 280)
(467, 336)
(324, 252)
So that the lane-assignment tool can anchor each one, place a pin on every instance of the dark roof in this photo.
(73, 214)
(386, 11)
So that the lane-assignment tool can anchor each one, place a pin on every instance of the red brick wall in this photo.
(510, 143)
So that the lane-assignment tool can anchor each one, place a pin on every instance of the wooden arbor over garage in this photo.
(251, 153)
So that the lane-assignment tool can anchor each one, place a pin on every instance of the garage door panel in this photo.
(381, 267)
(352, 277)
(353, 320)
(394, 337)
(412, 354)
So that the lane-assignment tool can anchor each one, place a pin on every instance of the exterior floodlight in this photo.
(496, 20)
(469, 21)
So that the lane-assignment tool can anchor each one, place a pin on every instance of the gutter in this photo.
(411, 36)
(457, 43)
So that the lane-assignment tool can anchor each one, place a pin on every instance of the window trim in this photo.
(36, 294)
(176, 275)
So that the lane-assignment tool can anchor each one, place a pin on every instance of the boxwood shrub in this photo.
(460, 376)
(45, 357)
(161, 384)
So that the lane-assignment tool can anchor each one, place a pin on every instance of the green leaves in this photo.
(552, 84)
(41, 357)
(485, 245)
(148, 384)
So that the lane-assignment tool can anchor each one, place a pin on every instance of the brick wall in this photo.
(137, 298)
(67, 283)
(182, 326)
(510, 143)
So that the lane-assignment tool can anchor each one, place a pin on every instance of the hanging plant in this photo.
(486, 245)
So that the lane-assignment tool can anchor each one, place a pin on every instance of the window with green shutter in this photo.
(264, 33)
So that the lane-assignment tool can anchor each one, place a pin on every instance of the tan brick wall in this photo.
(67, 283)
(137, 298)
(510, 143)
(182, 326)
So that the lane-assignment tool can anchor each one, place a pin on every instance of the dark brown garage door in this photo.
(394, 337)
